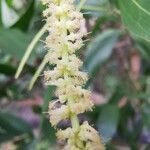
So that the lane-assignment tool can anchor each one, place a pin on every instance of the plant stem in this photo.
(74, 118)
(37, 73)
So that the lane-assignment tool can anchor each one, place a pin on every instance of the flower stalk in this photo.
(64, 23)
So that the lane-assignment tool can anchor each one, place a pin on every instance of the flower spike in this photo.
(64, 24)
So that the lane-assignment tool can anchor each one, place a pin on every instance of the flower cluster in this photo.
(65, 37)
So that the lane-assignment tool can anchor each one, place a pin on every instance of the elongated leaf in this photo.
(28, 52)
(136, 17)
(99, 50)
(108, 121)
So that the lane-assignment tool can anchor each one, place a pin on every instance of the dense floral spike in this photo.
(65, 37)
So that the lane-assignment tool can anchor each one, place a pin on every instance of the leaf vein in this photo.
(140, 7)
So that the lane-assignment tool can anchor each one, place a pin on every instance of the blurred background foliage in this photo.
(116, 56)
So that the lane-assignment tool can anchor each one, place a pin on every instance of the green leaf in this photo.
(24, 21)
(11, 126)
(135, 15)
(7, 69)
(99, 50)
(9, 2)
(13, 42)
(108, 121)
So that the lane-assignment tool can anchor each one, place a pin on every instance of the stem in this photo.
(75, 121)
(37, 73)
(74, 118)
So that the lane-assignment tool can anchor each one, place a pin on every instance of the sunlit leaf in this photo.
(136, 17)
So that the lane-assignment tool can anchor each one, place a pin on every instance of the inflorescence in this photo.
(65, 38)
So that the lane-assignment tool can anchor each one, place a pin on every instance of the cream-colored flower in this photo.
(88, 133)
(81, 107)
(58, 113)
(64, 24)
(65, 134)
